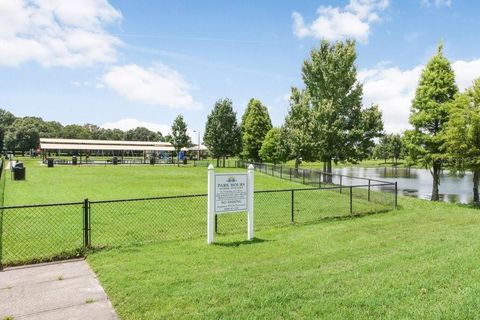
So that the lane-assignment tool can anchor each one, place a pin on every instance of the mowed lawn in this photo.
(51, 232)
(418, 262)
(65, 183)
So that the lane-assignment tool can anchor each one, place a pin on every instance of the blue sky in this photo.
(128, 63)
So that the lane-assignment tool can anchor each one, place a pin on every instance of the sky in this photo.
(123, 63)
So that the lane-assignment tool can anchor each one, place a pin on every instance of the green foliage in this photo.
(429, 116)
(180, 138)
(462, 135)
(389, 146)
(296, 139)
(75, 131)
(143, 134)
(271, 150)
(222, 133)
(254, 129)
(341, 129)
(24, 133)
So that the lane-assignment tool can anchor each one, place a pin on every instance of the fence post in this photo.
(396, 194)
(368, 189)
(303, 176)
(319, 179)
(216, 223)
(281, 172)
(351, 202)
(290, 174)
(292, 218)
(340, 184)
(86, 224)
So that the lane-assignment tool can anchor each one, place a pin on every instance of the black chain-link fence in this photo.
(55, 231)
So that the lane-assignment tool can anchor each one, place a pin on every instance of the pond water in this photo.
(418, 182)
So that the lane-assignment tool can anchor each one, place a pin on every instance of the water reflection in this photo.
(418, 182)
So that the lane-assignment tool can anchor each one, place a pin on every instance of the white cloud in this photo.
(334, 23)
(130, 123)
(393, 89)
(437, 3)
(159, 85)
(57, 32)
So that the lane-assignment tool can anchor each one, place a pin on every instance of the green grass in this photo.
(419, 262)
(75, 183)
(55, 232)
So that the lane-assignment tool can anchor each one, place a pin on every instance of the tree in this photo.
(255, 126)
(296, 137)
(24, 134)
(341, 129)
(429, 116)
(382, 149)
(180, 138)
(112, 134)
(271, 150)
(142, 134)
(75, 131)
(6, 120)
(462, 135)
(396, 147)
(222, 133)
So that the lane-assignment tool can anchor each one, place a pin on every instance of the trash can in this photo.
(18, 171)
(152, 161)
(50, 162)
(74, 160)
(115, 160)
(185, 160)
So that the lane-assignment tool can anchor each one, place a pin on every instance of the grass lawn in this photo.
(418, 262)
(52, 232)
(75, 183)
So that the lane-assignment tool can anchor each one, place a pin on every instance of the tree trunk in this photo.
(223, 162)
(476, 179)
(329, 170)
(436, 181)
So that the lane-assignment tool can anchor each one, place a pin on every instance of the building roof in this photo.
(120, 145)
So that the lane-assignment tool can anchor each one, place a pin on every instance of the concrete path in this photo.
(65, 290)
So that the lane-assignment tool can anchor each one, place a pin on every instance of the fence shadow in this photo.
(240, 243)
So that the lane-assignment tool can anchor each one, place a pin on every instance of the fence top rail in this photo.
(257, 164)
(41, 205)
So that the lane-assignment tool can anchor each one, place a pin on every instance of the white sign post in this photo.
(229, 193)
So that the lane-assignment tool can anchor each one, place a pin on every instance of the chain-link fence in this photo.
(55, 231)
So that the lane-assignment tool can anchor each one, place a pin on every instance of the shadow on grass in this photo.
(240, 243)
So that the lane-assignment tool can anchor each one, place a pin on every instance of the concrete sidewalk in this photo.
(64, 290)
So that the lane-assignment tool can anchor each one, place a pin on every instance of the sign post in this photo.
(229, 193)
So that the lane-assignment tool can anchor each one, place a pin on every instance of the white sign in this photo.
(230, 192)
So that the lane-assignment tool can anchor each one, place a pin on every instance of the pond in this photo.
(418, 182)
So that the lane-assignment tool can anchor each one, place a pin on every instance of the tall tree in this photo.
(222, 133)
(271, 150)
(296, 132)
(6, 120)
(142, 134)
(255, 126)
(341, 129)
(429, 116)
(462, 136)
(75, 131)
(180, 138)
